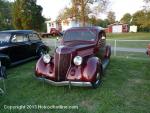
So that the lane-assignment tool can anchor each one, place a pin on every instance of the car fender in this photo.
(5, 60)
(42, 46)
(91, 68)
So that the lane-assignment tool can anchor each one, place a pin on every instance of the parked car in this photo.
(17, 46)
(53, 32)
(148, 50)
(79, 61)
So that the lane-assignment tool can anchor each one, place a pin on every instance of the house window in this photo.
(52, 24)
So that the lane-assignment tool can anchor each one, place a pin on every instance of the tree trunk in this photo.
(82, 13)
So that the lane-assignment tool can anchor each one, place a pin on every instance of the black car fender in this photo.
(5, 60)
(42, 46)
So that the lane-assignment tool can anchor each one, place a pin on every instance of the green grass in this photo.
(129, 36)
(125, 89)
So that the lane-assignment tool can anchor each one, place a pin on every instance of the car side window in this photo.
(34, 37)
(19, 38)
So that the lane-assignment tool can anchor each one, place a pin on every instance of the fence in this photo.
(129, 48)
(123, 48)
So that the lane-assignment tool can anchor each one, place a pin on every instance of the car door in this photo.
(35, 42)
(19, 47)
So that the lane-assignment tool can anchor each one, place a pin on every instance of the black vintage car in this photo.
(17, 46)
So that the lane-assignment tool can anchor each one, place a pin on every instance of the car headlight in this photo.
(46, 58)
(77, 60)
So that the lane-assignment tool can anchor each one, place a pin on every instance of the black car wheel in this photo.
(3, 72)
(98, 80)
(41, 52)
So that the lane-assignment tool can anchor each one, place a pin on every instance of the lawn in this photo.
(125, 89)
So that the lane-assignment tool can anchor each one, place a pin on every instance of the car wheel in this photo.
(3, 72)
(98, 80)
(41, 52)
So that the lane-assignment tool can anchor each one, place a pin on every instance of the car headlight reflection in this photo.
(46, 58)
(77, 60)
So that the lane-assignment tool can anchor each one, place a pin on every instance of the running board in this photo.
(22, 61)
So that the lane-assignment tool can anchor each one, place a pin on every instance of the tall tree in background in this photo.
(141, 19)
(27, 15)
(111, 17)
(101, 6)
(5, 15)
(126, 19)
(81, 9)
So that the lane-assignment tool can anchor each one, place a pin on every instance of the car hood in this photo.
(70, 47)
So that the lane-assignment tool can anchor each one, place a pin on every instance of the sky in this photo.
(51, 8)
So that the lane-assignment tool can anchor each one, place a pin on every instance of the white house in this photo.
(62, 24)
(51, 24)
(133, 28)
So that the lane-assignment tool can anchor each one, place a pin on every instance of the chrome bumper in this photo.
(64, 83)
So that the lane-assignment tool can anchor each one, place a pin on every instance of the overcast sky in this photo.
(51, 8)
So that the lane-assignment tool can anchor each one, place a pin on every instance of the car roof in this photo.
(92, 27)
(18, 31)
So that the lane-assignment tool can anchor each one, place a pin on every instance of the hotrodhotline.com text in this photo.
(42, 107)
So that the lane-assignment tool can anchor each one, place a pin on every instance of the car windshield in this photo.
(4, 37)
(80, 34)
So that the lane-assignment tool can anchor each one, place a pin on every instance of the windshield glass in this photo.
(4, 37)
(80, 34)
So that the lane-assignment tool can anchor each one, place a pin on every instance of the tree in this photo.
(126, 18)
(111, 17)
(27, 15)
(102, 4)
(5, 15)
(81, 9)
(141, 19)
(103, 23)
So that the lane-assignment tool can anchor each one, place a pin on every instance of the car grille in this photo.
(62, 64)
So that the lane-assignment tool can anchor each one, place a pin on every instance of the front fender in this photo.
(42, 46)
(44, 70)
(85, 73)
(91, 68)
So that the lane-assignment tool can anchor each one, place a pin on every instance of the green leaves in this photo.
(126, 19)
(111, 17)
(27, 15)
(141, 19)
(5, 15)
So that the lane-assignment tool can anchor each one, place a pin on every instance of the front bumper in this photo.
(64, 83)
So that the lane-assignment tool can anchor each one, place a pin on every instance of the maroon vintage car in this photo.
(148, 50)
(79, 61)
